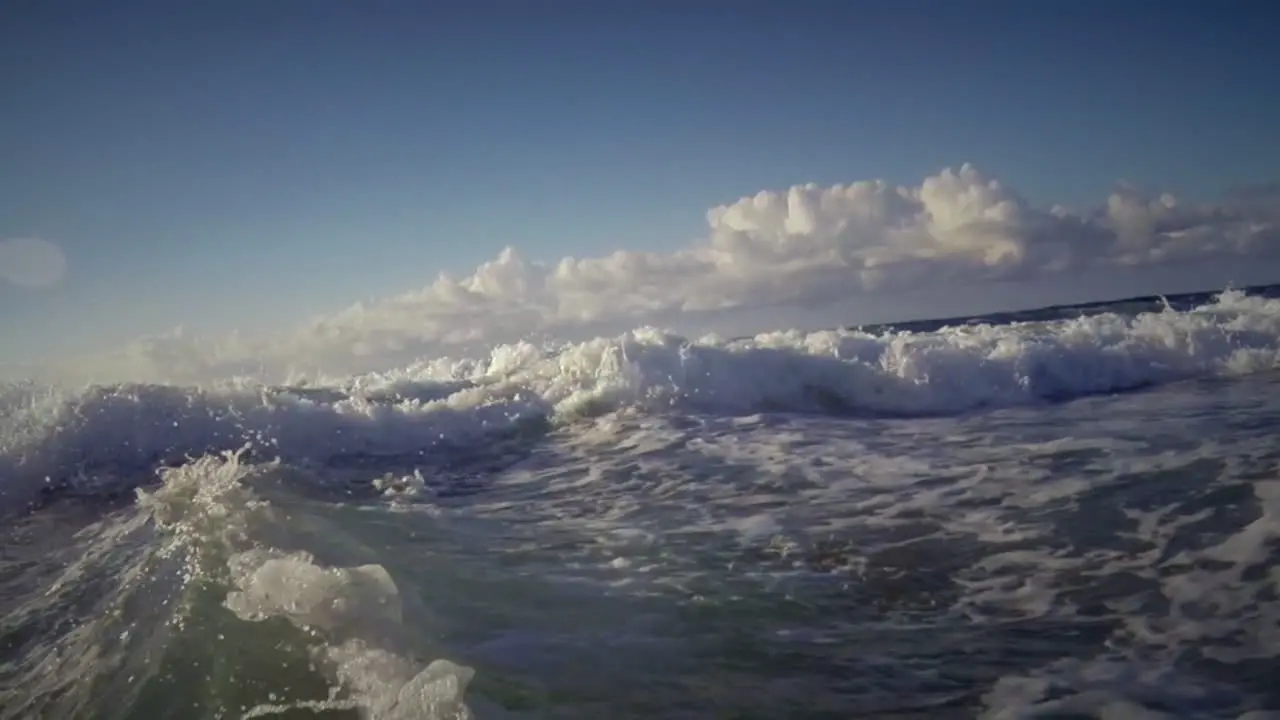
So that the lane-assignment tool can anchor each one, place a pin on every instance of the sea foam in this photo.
(97, 435)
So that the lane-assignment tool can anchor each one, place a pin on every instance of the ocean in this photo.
(1072, 512)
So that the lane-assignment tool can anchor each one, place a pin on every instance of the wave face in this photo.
(99, 435)
(355, 547)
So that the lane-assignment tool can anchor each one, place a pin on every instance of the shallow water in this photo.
(1109, 556)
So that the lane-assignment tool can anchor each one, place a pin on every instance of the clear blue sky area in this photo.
(254, 163)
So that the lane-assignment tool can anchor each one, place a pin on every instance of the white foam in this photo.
(405, 487)
(352, 609)
(101, 432)
(316, 598)
(1103, 689)
(1211, 598)
(209, 510)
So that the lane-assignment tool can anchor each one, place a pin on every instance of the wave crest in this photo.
(96, 436)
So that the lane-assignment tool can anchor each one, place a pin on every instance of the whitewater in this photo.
(1068, 512)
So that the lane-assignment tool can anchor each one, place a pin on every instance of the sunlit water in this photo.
(1067, 519)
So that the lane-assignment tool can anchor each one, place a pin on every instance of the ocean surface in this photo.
(1066, 513)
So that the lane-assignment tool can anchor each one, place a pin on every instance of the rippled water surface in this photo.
(1111, 555)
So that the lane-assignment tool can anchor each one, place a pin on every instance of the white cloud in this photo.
(31, 262)
(802, 246)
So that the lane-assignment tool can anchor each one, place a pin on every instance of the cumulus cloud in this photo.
(800, 246)
(31, 262)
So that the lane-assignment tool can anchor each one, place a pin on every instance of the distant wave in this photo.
(1135, 305)
(102, 436)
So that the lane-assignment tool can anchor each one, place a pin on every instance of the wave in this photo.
(147, 590)
(111, 438)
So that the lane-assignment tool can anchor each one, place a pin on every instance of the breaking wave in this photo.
(88, 439)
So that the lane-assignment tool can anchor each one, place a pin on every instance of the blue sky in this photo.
(253, 164)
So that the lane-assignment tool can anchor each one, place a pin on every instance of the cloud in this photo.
(803, 246)
(31, 262)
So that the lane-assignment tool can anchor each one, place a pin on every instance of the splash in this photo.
(209, 511)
